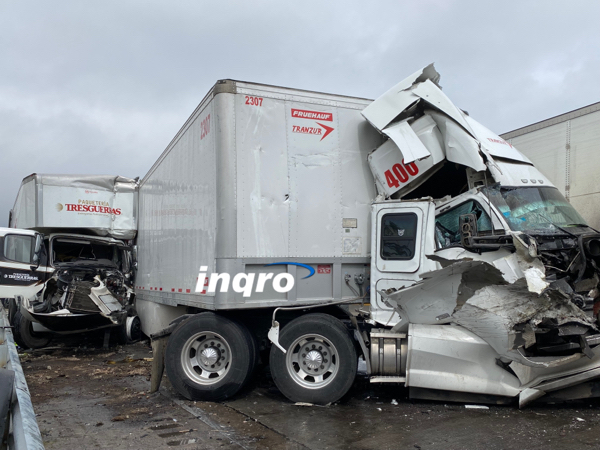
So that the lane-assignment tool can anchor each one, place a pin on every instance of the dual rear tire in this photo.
(211, 357)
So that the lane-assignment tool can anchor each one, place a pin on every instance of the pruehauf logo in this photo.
(320, 130)
(316, 115)
(244, 282)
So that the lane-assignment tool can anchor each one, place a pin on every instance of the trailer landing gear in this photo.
(210, 357)
(320, 363)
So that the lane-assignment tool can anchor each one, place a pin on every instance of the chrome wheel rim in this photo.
(206, 358)
(312, 361)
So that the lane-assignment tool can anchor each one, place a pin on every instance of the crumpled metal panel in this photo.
(465, 141)
(499, 301)
(494, 144)
(386, 108)
(407, 141)
(460, 146)
(455, 359)
(390, 158)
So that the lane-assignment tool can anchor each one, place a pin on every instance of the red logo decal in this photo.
(327, 130)
(313, 130)
(316, 115)
(205, 127)
(93, 208)
(323, 268)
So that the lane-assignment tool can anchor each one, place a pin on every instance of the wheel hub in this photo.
(209, 356)
(313, 359)
(206, 358)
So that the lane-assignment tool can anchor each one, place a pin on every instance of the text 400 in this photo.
(399, 173)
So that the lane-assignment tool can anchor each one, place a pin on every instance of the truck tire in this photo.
(321, 362)
(129, 331)
(209, 357)
(24, 335)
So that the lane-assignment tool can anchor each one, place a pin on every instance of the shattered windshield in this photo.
(534, 208)
(85, 252)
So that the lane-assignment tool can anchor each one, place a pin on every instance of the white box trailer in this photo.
(565, 148)
(258, 174)
(314, 215)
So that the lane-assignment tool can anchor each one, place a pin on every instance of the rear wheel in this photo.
(209, 357)
(320, 363)
(24, 334)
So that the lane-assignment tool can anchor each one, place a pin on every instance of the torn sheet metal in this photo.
(407, 141)
(391, 170)
(386, 108)
(464, 140)
(460, 146)
(90, 288)
(495, 145)
(508, 303)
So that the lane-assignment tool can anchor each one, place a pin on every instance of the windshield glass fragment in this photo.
(534, 208)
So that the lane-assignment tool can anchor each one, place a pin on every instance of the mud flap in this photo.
(158, 362)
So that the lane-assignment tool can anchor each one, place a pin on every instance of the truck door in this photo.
(403, 236)
(21, 255)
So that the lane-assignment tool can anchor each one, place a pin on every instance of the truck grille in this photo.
(78, 298)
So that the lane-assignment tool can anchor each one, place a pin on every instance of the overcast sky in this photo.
(102, 87)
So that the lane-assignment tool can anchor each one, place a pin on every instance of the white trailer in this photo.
(565, 148)
(400, 230)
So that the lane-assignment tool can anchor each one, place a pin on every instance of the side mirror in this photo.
(468, 228)
(37, 252)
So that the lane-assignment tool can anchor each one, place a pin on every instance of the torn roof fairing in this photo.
(460, 147)
(495, 144)
(386, 108)
(465, 141)
(515, 174)
(388, 155)
(406, 138)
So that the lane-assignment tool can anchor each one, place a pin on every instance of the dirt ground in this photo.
(86, 397)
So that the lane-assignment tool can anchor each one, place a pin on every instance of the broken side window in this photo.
(398, 236)
(447, 226)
